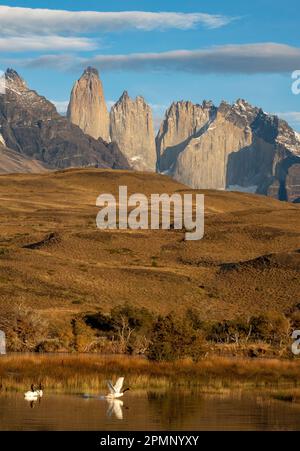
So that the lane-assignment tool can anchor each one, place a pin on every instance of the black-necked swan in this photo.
(115, 390)
(31, 395)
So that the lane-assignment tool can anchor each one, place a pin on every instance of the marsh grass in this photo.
(79, 373)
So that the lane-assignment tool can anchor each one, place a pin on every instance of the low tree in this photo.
(174, 338)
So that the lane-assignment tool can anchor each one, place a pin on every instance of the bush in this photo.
(229, 331)
(272, 327)
(83, 336)
(173, 339)
(25, 328)
(99, 321)
(193, 317)
(128, 326)
(48, 346)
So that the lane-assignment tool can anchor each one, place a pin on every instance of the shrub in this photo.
(272, 327)
(229, 331)
(128, 326)
(25, 328)
(84, 337)
(174, 338)
(99, 321)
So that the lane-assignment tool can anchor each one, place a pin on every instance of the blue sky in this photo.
(201, 50)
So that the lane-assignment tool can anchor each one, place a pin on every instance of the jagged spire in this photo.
(91, 70)
(87, 107)
(125, 95)
(12, 77)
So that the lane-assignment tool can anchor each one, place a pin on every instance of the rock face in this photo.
(182, 122)
(292, 185)
(87, 107)
(238, 148)
(131, 127)
(31, 126)
(205, 159)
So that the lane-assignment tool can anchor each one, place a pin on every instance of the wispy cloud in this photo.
(292, 117)
(44, 21)
(45, 43)
(234, 59)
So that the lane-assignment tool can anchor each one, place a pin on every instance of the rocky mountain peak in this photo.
(13, 80)
(242, 148)
(87, 107)
(131, 127)
(183, 120)
(124, 97)
(31, 126)
(90, 71)
(207, 104)
(241, 113)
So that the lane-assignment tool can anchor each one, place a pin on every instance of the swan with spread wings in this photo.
(115, 391)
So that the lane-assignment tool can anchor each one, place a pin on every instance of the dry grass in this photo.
(84, 269)
(77, 373)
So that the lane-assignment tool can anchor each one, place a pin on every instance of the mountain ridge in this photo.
(227, 147)
(30, 125)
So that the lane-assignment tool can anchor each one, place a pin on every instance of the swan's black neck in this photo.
(126, 389)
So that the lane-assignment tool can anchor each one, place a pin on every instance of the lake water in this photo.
(150, 411)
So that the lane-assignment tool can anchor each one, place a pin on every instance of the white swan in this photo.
(115, 390)
(31, 395)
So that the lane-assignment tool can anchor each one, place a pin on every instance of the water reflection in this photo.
(152, 410)
(33, 403)
(115, 408)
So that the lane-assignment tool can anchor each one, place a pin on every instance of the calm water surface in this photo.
(150, 411)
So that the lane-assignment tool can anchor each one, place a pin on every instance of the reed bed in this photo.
(82, 373)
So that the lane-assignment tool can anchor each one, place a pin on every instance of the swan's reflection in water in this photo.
(152, 410)
(32, 404)
(115, 408)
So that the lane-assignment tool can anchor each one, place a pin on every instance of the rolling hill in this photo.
(55, 260)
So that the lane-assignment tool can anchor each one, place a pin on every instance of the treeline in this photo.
(131, 330)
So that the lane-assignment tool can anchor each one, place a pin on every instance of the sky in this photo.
(165, 50)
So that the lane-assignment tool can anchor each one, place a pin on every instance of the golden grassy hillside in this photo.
(54, 259)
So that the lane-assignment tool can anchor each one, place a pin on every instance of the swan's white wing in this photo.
(111, 387)
(118, 385)
(117, 407)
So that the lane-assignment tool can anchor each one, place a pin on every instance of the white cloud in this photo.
(44, 43)
(2, 82)
(61, 105)
(44, 21)
(290, 116)
(241, 59)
